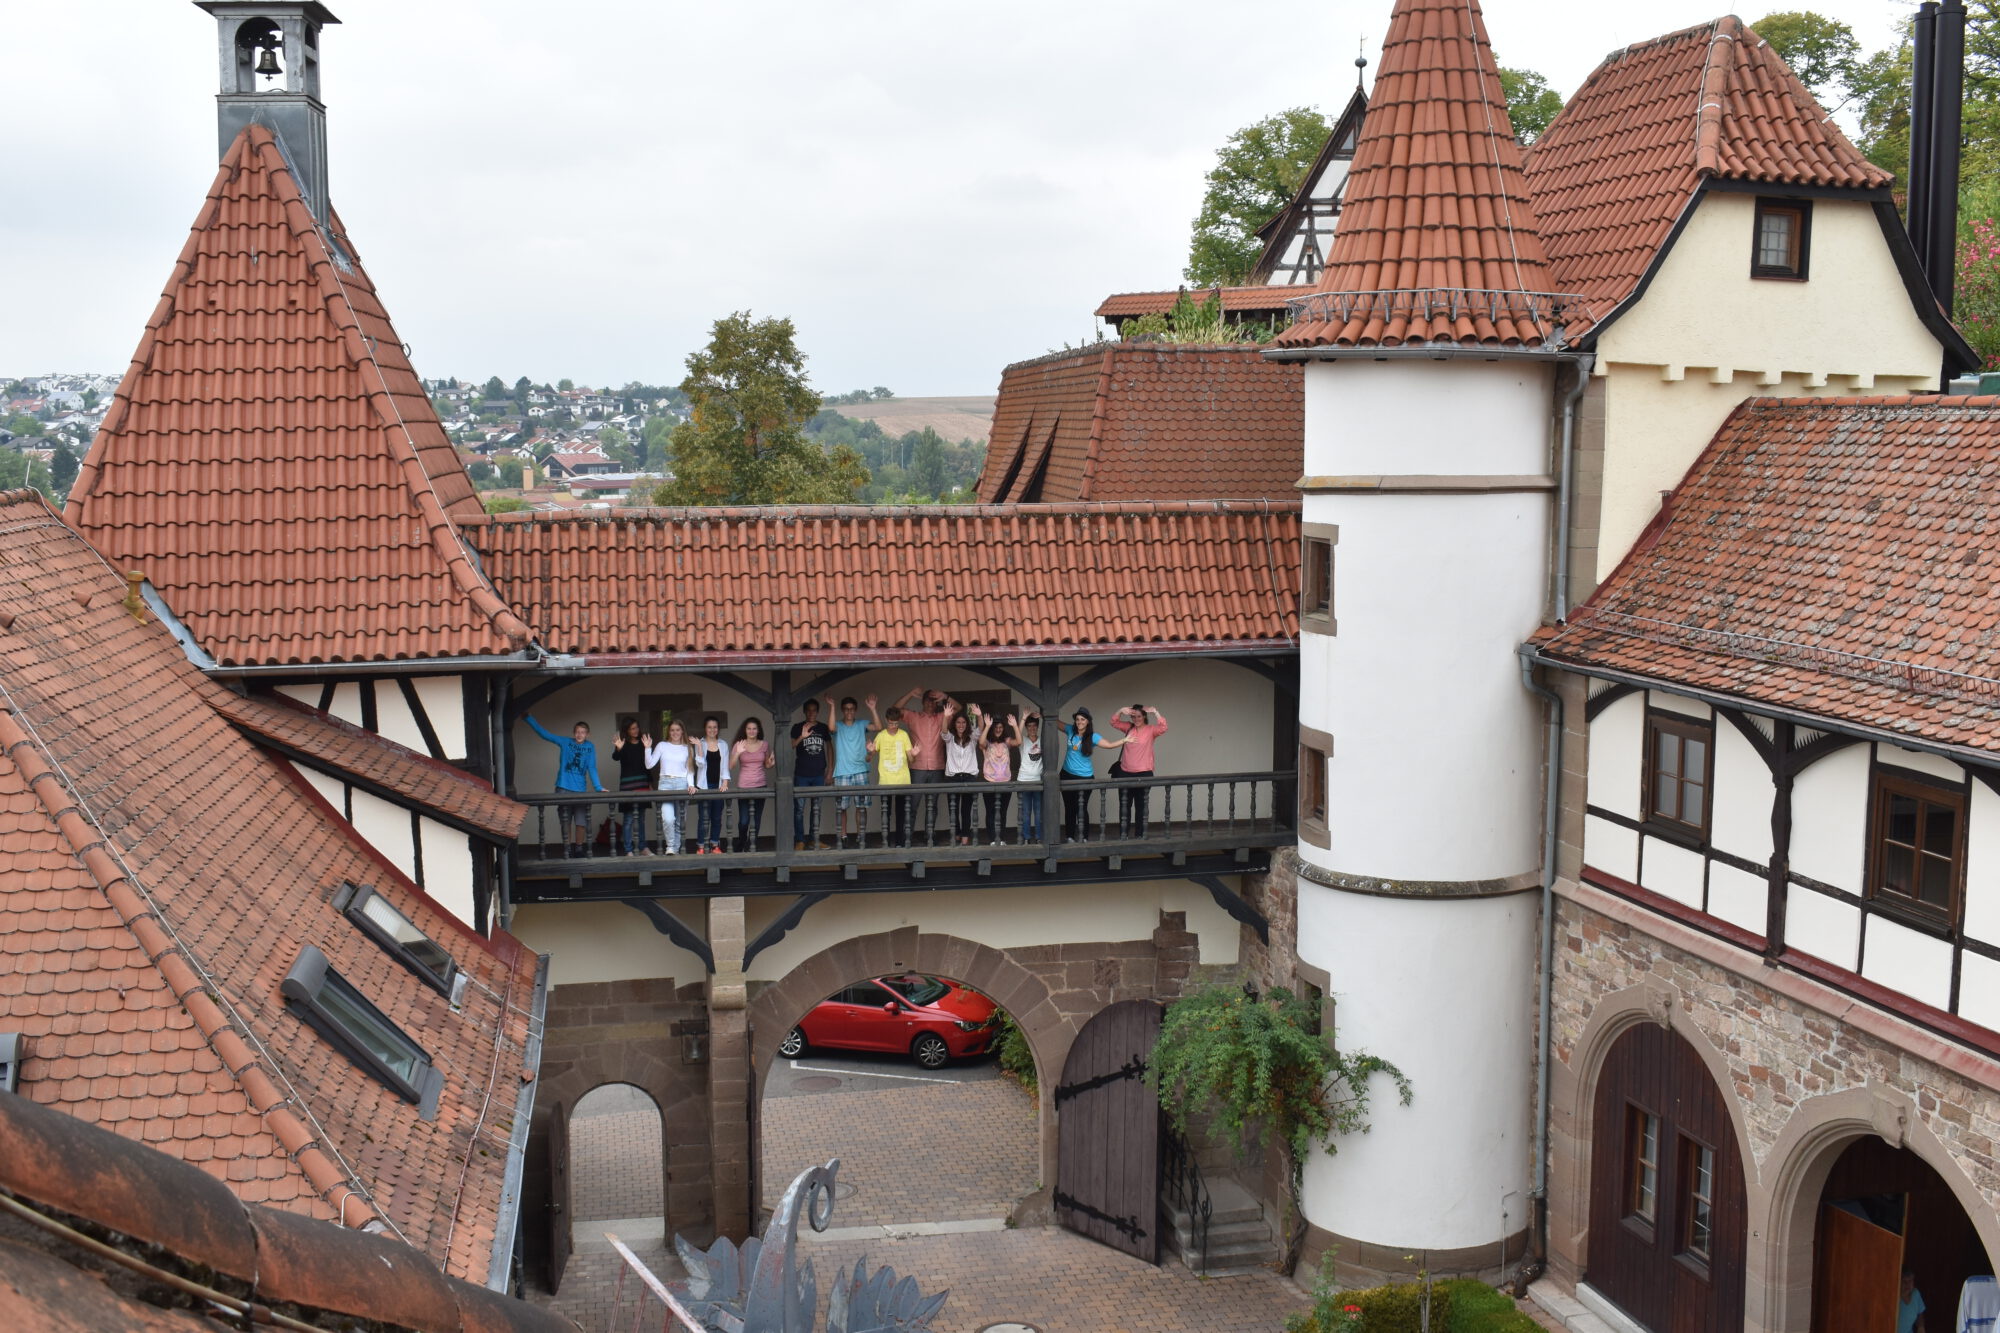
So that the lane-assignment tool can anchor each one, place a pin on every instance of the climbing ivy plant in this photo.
(1260, 1064)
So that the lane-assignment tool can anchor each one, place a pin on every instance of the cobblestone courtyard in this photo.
(913, 1152)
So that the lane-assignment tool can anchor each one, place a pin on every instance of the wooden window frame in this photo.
(1636, 1165)
(1690, 1200)
(1316, 590)
(1801, 209)
(1315, 751)
(1883, 783)
(1685, 728)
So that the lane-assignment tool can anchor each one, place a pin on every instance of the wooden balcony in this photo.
(1197, 826)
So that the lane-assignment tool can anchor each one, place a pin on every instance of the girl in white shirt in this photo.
(674, 758)
(1031, 772)
(961, 764)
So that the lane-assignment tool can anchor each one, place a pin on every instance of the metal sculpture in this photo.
(760, 1287)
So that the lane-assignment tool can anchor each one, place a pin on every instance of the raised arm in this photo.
(1160, 718)
(914, 696)
(541, 731)
(870, 702)
(1013, 731)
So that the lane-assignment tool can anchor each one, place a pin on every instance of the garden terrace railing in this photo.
(1186, 1192)
(818, 825)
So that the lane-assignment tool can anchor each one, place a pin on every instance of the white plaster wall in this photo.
(1902, 959)
(1674, 703)
(1740, 803)
(1618, 759)
(1427, 418)
(604, 942)
(305, 694)
(448, 869)
(1830, 820)
(332, 789)
(1437, 747)
(1740, 898)
(1704, 309)
(387, 829)
(346, 702)
(1982, 866)
(998, 918)
(1672, 872)
(393, 719)
(1611, 848)
(1219, 716)
(1917, 761)
(1979, 991)
(1823, 927)
(1443, 990)
(443, 698)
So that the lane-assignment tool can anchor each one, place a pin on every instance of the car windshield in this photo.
(917, 990)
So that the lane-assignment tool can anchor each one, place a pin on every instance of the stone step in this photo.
(1240, 1240)
(1229, 1202)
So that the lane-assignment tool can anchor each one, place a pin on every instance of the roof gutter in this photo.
(1551, 816)
(1958, 754)
(500, 1269)
(1421, 352)
(528, 659)
(1585, 362)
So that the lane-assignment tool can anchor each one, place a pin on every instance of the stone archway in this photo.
(1014, 987)
(1819, 1131)
(1573, 1088)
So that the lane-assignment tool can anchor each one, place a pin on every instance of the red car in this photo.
(931, 1018)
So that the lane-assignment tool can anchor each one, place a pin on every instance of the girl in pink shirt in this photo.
(996, 765)
(750, 756)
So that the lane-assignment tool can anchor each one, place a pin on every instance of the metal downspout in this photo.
(1551, 816)
(1584, 363)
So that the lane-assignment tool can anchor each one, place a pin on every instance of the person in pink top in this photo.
(750, 756)
(1142, 726)
(927, 727)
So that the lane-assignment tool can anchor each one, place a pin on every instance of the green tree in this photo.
(510, 473)
(655, 442)
(617, 446)
(1256, 172)
(91, 399)
(928, 474)
(745, 442)
(1821, 51)
(495, 389)
(1879, 88)
(566, 385)
(484, 475)
(63, 470)
(18, 470)
(1531, 103)
(506, 504)
(23, 423)
(884, 394)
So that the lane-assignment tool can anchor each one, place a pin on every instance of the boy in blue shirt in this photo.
(850, 759)
(576, 771)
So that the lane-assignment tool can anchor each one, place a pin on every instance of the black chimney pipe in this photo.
(1948, 84)
(1923, 85)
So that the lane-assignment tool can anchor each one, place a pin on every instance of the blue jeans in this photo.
(631, 824)
(1031, 816)
(800, 828)
(710, 821)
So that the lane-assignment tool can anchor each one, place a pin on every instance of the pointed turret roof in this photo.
(271, 462)
(1438, 240)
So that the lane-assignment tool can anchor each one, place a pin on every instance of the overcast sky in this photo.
(929, 189)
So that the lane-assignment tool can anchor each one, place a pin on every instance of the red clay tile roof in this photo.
(1832, 556)
(1147, 421)
(135, 824)
(1437, 240)
(271, 462)
(323, 741)
(1620, 164)
(1246, 300)
(169, 1215)
(849, 583)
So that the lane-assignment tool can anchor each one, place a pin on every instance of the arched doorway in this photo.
(616, 1171)
(900, 1076)
(1667, 1191)
(1883, 1210)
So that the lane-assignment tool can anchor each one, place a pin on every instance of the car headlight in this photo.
(964, 1026)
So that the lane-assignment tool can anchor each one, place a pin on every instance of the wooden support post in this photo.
(781, 767)
(1783, 769)
(1048, 703)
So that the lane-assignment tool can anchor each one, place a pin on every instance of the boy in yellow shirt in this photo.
(891, 747)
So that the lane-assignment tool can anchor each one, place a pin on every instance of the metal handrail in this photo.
(1187, 1190)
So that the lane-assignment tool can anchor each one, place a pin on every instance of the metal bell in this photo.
(267, 61)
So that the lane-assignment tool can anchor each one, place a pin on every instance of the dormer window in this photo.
(1783, 239)
(330, 1005)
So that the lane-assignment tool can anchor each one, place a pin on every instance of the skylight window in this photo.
(330, 1005)
(408, 945)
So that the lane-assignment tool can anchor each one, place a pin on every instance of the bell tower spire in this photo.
(269, 56)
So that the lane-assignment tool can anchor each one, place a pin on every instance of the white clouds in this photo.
(930, 189)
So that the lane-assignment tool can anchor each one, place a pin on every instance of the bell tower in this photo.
(269, 56)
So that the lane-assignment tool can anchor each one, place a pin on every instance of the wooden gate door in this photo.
(1668, 1213)
(559, 1196)
(1108, 1132)
(1858, 1274)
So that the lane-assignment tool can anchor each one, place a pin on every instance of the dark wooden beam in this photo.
(1232, 902)
(416, 706)
(518, 706)
(787, 921)
(670, 925)
(1604, 699)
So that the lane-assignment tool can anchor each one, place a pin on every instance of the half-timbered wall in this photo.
(421, 713)
(1949, 966)
(438, 858)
